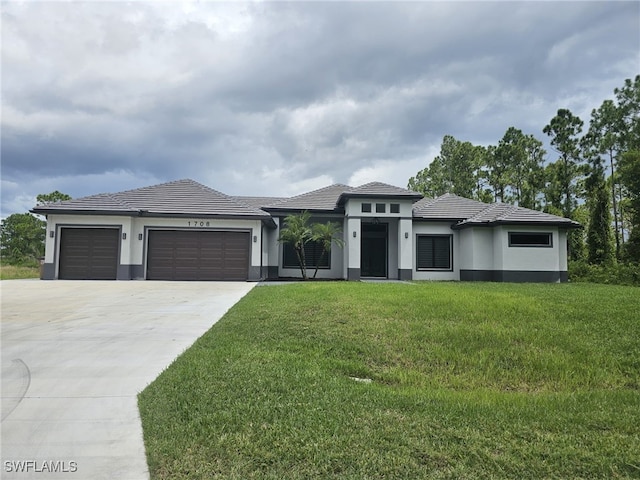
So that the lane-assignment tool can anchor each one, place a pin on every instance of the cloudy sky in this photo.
(278, 98)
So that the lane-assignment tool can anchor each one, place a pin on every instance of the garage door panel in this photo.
(198, 255)
(88, 253)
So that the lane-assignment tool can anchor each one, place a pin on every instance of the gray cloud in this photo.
(278, 98)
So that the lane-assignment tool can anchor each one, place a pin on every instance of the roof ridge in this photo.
(508, 211)
(115, 197)
(485, 211)
(321, 189)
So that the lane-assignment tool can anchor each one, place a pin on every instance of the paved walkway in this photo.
(74, 357)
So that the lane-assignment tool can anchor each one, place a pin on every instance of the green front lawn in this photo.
(426, 380)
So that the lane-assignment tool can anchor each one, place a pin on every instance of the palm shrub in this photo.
(326, 234)
(297, 232)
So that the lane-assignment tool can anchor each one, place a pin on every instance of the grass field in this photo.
(12, 272)
(404, 381)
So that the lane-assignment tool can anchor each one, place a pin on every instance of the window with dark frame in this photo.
(530, 239)
(312, 254)
(433, 252)
(366, 208)
(394, 208)
(381, 208)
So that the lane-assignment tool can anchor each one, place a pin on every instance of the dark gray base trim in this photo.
(564, 277)
(48, 271)
(272, 272)
(130, 272)
(353, 274)
(514, 276)
(255, 274)
(124, 272)
(137, 272)
(405, 274)
(477, 275)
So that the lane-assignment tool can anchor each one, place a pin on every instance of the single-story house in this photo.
(184, 230)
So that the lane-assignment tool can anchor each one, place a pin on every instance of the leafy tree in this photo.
(22, 238)
(564, 130)
(456, 170)
(628, 97)
(53, 197)
(605, 137)
(325, 234)
(516, 167)
(528, 178)
(629, 170)
(599, 228)
(498, 161)
(430, 181)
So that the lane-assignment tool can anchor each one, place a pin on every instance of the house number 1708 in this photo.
(198, 223)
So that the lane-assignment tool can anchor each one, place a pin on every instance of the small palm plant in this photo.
(326, 234)
(297, 233)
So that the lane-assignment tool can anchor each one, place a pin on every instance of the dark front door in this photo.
(373, 250)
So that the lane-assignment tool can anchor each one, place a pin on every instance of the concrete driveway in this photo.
(74, 357)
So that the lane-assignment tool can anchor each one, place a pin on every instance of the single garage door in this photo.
(200, 255)
(88, 253)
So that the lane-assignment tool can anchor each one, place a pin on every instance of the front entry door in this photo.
(373, 250)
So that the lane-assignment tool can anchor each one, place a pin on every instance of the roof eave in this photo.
(345, 196)
(288, 211)
(146, 213)
(438, 219)
(70, 211)
(567, 225)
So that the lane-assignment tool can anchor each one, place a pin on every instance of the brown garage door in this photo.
(88, 253)
(201, 255)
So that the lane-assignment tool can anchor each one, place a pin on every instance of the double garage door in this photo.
(200, 255)
(92, 254)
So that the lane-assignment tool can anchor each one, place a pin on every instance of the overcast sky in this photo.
(280, 98)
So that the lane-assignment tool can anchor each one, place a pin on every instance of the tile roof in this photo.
(258, 202)
(471, 213)
(187, 197)
(498, 213)
(375, 189)
(322, 199)
(447, 206)
(181, 197)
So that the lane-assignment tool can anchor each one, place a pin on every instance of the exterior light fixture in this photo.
(52, 233)
(406, 234)
(255, 239)
(139, 236)
(124, 236)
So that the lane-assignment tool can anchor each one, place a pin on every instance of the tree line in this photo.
(22, 234)
(593, 175)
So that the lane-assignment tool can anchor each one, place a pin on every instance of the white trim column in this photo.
(354, 238)
(405, 249)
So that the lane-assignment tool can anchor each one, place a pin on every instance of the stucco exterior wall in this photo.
(353, 208)
(437, 228)
(529, 258)
(476, 249)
